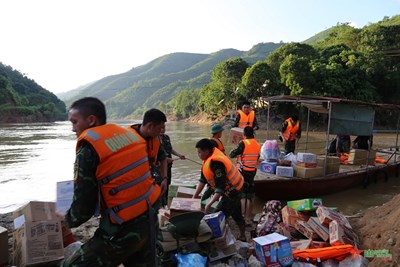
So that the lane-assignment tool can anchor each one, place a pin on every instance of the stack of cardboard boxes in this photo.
(332, 164)
(222, 243)
(38, 236)
(321, 226)
(307, 166)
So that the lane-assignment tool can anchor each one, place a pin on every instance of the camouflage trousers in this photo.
(248, 187)
(130, 247)
(231, 206)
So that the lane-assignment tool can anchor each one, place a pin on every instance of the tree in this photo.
(220, 95)
(259, 80)
(296, 75)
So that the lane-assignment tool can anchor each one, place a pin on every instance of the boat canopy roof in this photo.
(350, 117)
(319, 104)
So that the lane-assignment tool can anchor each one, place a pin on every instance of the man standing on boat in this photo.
(248, 154)
(246, 117)
(216, 132)
(108, 177)
(224, 178)
(291, 133)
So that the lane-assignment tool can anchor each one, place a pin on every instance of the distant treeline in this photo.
(23, 100)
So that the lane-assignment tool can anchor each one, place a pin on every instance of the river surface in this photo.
(34, 157)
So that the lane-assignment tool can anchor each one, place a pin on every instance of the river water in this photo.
(34, 157)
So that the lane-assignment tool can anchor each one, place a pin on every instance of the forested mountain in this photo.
(344, 62)
(23, 100)
(158, 82)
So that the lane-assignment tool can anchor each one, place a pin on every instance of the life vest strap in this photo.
(113, 211)
(117, 189)
(109, 178)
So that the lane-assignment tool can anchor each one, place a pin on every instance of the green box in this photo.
(305, 204)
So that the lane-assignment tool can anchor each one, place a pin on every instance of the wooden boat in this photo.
(270, 186)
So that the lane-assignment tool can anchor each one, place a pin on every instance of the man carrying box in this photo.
(223, 177)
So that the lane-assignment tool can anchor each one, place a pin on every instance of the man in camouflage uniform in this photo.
(229, 200)
(166, 144)
(112, 244)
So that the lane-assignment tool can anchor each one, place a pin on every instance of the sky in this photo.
(63, 44)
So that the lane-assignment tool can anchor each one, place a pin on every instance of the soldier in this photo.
(216, 132)
(248, 154)
(108, 176)
(166, 142)
(150, 129)
(223, 177)
(246, 117)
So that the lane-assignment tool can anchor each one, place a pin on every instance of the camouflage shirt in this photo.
(166, 142)
(85, 187)
(220, 177)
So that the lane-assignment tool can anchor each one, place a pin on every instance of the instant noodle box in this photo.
(273, 250)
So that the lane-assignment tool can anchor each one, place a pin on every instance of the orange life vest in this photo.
(219, 143)
(249, 159)
(234, 177)
(335, 252)
(123, 173)
(246, 119)
(153, 145)
(380, 160)
(290, 133)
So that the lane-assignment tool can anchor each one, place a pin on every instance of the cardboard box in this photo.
(305, 204)
(307, 164)
(300, 244)
(291, 216)
(322, 231)
(65, 194)
(273, 250)
(185, 192)
(34, 211)
(268, 167)
(3, 246)
(284, 171)
(306, 157)
(306, 230)
(332, 165)
(359, 157)
(326, 215)
(303, 172)
(181, 205)
(225, 240)
(236, 135)
(341, 235)
(38, 243)
(217, 253)
(216, 222)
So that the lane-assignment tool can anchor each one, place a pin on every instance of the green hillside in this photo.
(158, 82)
(23, 100)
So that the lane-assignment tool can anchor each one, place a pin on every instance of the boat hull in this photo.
(268, 187)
